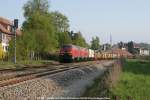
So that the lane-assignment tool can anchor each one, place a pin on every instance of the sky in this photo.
(124, 20)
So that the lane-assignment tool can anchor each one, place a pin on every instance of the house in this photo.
(141, 50)
(6, 33)
(144, 52)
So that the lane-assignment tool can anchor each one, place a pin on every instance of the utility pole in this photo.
(15, 27)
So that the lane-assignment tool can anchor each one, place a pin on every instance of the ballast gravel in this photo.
(71, 83)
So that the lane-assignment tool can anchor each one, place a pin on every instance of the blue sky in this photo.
(124, 19)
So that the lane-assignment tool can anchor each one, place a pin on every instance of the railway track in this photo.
(14, 79)
(27, 67)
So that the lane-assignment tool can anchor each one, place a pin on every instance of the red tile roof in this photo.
(6, 22)
(4, 30)
(121, 52)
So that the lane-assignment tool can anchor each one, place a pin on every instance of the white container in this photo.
(91, 53)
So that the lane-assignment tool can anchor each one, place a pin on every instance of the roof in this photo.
(3, 29)
(136, 45)
(5, 21)
(144, 48)
(121, 52)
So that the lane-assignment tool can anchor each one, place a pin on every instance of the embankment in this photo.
(102, 84)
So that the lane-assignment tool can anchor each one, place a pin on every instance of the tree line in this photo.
(44, 32)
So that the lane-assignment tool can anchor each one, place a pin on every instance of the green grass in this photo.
(135, 81)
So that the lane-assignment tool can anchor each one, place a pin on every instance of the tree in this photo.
(121, 45)
(78, 39)
(131, 47)
(95, 43)
(38, 36)
(61, 28)
(33, 6)
(60, 22)
(43, 31)
(64, 38)
(38, 28)
(38, 31)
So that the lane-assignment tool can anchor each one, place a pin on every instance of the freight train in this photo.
(70, 53)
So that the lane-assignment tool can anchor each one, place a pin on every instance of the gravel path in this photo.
(69, 83)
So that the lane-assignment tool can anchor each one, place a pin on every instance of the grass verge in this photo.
(132, 84)
(134, 81)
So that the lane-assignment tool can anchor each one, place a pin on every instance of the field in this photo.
(134, 81)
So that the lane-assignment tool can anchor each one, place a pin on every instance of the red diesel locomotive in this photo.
(69, 53)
